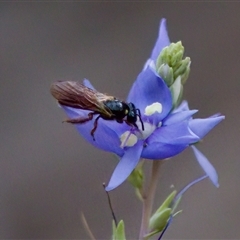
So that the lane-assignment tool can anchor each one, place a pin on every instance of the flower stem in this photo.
(87, 228)
(148, 198)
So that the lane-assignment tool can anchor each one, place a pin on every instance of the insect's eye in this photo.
(126, 111)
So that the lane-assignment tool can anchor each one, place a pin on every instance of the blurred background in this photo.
(49, 174)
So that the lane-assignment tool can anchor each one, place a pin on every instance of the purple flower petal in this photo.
(206, 166)
(175, 134)
(126, 165)
(158, 150)
(202, 126)
(162, 41)
(148, 89)
(105, 138)
(87, 83)
(182, 107)
(179, 195)
(215, 115)
(179, 117)
(168, 141)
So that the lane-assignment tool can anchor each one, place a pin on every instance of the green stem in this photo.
(148, 199)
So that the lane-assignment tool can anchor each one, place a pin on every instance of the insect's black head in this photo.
(132, 115)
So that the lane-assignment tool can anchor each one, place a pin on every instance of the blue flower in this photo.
(167, 132)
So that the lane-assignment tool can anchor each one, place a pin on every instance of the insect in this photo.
(76, 95)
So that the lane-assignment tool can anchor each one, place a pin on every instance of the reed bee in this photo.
(76, 95)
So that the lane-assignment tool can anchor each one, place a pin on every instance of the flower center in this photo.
(130, 138)
(148, 130)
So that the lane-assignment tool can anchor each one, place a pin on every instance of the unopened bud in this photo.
(166, 74)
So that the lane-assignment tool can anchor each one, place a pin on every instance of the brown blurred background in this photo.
(49, 174)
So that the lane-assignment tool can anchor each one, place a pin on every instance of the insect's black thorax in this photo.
(118, 108)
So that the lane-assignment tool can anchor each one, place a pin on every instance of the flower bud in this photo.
(159, 220)
(163, 57)
(160, 217)
(182, 68)
(177, 57)
(136, 178)
(186, 74)
(166, 73)
(118, 231)
(170, 63)
(177, 92)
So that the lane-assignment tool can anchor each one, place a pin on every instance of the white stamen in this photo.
(153, 108)
(128, 139)
(148, 130)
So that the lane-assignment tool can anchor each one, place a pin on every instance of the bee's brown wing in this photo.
(76, 95)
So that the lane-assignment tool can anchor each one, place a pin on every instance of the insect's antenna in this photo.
(139, 115)
(110, 205)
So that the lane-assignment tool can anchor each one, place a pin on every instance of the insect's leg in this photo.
(95, 127)
(119, 120)
(128, 123)
(140, 118)
(81, 120)
(131, 124)
(135, 125)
